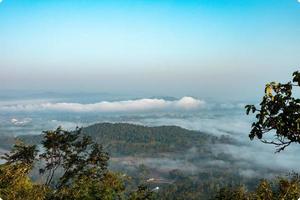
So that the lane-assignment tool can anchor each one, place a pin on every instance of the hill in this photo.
(130, 139)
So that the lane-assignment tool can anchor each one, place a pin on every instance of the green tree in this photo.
(111, 187)
(288, 188)
(142, 193)
(74, 168)
(83, 164)
(279, 112)
(233, 193)
(76, 155)
(264, 191)
(283, 188)
(14, 181)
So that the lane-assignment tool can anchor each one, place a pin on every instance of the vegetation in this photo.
(279, 189)
(122, 139)
(74, 164)
(279, 113)
(79, 163)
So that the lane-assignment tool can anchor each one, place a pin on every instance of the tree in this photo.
(74, 154)
(74, 168)
(264, 191)
(283, 188)
(81, 166)
(279, 114)
(233, 193)
(14, 181)
(143, 193)
(111, 187)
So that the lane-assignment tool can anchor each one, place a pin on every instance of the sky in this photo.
(220, 49)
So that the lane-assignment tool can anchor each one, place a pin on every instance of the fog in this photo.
(145, 104)
(251, 158)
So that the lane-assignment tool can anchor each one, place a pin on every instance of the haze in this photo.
(223, 49)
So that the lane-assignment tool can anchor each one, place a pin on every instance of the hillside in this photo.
(180, 161)
(129, 139)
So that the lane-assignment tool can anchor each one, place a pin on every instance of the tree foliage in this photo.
(142, 193)
(287, 188)
(76, 156)
(73, 166)
(14, 181)
(279, 113)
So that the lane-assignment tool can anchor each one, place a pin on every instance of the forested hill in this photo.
(183, 162)
(130, 139)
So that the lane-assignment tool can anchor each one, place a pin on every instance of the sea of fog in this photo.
(35, 113)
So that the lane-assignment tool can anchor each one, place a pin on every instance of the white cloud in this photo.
(185, 103)
(21, 122)
(189, 103)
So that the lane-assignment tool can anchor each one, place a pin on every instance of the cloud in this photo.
(232, 105)
(248, 156)
(189, 103)
(21, 122)
(185, 103)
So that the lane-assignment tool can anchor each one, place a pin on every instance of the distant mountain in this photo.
(167, 98)
(6, 142)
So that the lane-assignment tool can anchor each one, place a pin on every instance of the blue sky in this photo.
(204, 48)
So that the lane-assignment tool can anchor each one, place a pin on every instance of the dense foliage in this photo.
(279, 189)
(74, 165)
(121, 139)
(79, 164)
(279, 113)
